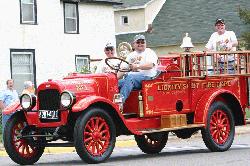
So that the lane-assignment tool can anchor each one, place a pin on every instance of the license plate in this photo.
(48, 114)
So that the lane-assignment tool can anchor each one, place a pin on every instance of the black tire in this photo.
(87, 138)
(218, 135)
(152, 143)
(20, 150)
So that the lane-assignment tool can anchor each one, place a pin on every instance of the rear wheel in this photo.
(22, 151)
(94, 135)
(152, 143)
(218, 135)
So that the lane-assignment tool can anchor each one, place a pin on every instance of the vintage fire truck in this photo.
(84, 110)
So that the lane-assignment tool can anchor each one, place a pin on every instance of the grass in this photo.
(248, 114)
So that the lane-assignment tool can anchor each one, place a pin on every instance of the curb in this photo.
(126, 141)
(57, 150)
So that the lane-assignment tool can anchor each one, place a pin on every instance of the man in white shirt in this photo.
(102, 67)
(143, 62)
(223, 40)
(7, 97)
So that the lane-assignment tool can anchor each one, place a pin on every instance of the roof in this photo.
(197, 17)
(132, 3)
(113, 2)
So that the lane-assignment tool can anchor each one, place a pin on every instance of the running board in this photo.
(171, 129)
(59, 144)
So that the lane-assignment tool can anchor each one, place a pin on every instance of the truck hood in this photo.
(83, 84)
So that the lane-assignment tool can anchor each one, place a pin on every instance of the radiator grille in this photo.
(49, 99)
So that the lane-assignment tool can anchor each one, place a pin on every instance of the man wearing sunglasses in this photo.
(109, 51)
(143, 62)
(223, 40)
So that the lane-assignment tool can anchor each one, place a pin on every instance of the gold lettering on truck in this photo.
(194, 85)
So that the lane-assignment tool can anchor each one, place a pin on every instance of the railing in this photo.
(200, 64)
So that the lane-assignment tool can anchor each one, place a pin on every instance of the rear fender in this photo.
(203, 105)
(89, 100)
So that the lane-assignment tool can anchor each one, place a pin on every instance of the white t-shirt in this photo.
(142, 58)
(102, 67)
(218, 42)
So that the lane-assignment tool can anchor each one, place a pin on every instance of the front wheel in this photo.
(22, 151)
(218, 135)
(152, 143)
(94, 135)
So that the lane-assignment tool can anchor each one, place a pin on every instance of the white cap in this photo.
(109, 45)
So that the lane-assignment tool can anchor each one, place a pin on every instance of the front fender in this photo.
(12, 108)
(202, 107)
(87, 101)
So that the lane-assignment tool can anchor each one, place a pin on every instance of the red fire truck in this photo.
(190, 93)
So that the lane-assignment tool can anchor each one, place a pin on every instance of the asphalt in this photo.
(125, 141)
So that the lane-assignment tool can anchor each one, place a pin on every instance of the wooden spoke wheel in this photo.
(21, 150)
(218, 135)
(94, 135)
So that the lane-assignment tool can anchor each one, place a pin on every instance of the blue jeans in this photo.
(130, 82)
(222, 66)
(5, 118)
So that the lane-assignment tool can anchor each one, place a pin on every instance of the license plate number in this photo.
(48, 114)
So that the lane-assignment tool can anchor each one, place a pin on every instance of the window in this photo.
(28, 12)
(124, 19)
(82, 63)
(22, 67)
(71, 19)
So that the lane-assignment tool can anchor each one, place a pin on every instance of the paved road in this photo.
(177, 152)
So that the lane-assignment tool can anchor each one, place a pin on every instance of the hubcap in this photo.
(219, 127)
(96, 136)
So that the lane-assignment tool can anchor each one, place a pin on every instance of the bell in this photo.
(186, 42)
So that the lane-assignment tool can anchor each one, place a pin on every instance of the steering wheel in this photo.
(115, 63)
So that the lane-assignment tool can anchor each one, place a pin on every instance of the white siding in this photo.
(54, 51)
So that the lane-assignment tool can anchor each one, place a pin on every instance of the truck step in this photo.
(146, 131)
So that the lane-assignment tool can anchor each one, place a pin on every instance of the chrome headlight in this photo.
(28, 101)
(67, 99)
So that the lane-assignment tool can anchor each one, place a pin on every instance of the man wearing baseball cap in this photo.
(223, 40)
(109, 51)
(143, 62)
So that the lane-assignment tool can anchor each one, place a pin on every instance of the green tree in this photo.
(245, 16)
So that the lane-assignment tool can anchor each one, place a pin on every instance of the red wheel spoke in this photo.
(97, 148)
(100, 143)
(93, 148)
(101, 126)
(88, 139)
(96, 123)
(213, 123)
(89, 127)
(92, 123)
(19, 146)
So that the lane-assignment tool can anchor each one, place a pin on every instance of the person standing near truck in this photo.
(7, 97)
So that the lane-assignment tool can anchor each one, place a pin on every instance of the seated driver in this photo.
(143, 62)
(102, 67)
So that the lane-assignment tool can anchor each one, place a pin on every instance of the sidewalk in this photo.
(125, 141)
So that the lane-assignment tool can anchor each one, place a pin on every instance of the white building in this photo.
(42, 39)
